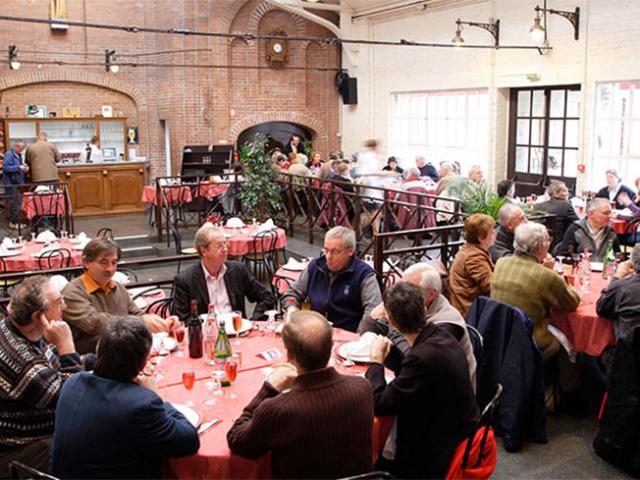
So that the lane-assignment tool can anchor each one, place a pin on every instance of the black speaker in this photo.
(349, 90)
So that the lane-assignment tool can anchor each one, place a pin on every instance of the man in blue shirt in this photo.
(13, 170)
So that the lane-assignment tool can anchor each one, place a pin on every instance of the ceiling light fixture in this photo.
(14, 64)
(493, 27)
(110, 64)
(538, 30)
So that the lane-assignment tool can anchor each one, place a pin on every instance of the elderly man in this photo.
(322, 427)
(561, 207)
(426, 169)
(43, 158)
(215, 280)
(94, 298)
(13, 170)
(37, 356)
(615, 189)
(338, 284)
(476, 174)
(592, 232)
(509, 217)
(432, 397)
(111, 423)
(620, 302)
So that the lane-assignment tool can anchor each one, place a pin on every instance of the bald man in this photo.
(322, 427)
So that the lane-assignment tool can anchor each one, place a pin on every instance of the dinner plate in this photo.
(45, 241)
(10, 253)
(597, 266)
(344, 350)
(189, 413)
(293, 267)
(228, 324)
(170, 343)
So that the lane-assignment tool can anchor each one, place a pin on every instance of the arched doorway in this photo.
(278, 133)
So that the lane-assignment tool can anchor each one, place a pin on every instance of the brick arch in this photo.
(263, 8)
(293, 117)
(106, 81)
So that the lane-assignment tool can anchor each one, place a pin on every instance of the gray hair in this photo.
(411, 172)
(475, 168)
(614, 172)
(428, 277)
(203, 236)
(347, 235)
(635, 257)
(29, 297)
(507, 212)
(528, 238)
(597, 204)
(447, 165)
(555, 186)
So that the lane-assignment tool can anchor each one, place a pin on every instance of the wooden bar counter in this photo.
(105, 188)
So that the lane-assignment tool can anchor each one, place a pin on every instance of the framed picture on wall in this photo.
(107, 111)
(35, 111)
(70, 112)
(132, 135)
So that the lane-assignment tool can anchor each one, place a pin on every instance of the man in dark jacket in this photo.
(561, 207)
(13, 170)
(509, 216)
(427, 169)
(592, 232)
(434, 374)
(215, 280)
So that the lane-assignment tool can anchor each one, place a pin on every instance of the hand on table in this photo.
(380, 348)
(282, 376)
(378, 312)
(549, 262)
(156, 323)
(624, 269)
(59, 334)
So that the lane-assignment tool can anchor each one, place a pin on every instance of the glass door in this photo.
(543, 137)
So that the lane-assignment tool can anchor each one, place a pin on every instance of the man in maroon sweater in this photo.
(321, 427)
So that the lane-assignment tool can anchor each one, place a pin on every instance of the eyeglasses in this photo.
(220, 246)
(333, 251)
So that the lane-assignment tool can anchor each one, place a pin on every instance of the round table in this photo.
(241, 240)
(587, 332)
(214, 459)
(25, 261)
(172, 194)
(46, 204)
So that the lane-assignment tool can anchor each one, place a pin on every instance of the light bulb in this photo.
(14, 65)
(537, 32)
(457, 41)
(114, 68)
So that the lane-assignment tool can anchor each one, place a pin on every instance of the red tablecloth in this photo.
(588, 332)
(214, 459)
(46, 204)
(172, 194)
(241, 241)
(25, 261)
(283, 285)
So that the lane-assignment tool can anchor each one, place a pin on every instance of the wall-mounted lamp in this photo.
(493, 27)
(110, 64)
(14, 64)
(539, 33)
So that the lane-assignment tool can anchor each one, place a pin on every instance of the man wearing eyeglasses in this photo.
(37, 355)
(218, 281)
(338, 284)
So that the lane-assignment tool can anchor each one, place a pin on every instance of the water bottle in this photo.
(210, 336)
(586, 271)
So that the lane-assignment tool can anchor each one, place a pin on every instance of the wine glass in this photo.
(188, 380)
(213, 389)
(162, 348)
(219, 376)
(158, 373)
(231, 369)
(179, 333)
(236, 318)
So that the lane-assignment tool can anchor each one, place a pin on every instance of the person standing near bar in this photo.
(13, 170)
(43, 157)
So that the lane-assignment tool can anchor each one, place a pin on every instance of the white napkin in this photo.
(46, 236)
(59, 282)
(7, 242)
(82, 237)
(235, 222)
(362, 347)
(266, 226)
(120, 278)
(293, 264)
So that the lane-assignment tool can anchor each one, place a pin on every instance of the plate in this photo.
(46, 241)
(169, 343)
(343, 351)
(295, 267)
(189, 413)
(597, 266)
(10, 253)
(228, 325)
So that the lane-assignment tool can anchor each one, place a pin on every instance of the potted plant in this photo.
(477, 198)
(259, 194)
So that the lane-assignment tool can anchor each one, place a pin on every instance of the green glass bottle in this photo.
(222, 351)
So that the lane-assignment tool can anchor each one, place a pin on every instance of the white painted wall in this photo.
(607, 50)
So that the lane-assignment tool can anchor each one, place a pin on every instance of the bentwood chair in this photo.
(262, 258)
(162, 307)
(48, 210)
(51, 259)
(106, 233)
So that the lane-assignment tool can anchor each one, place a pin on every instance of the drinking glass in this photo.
(236, 318)
(219, 376)
(179, 333)
(231, 369)
(158, 373)
(213, 389)
(162, 347)
(188, 380)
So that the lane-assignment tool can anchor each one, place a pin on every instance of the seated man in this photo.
(509, 217)
(592, 232)
(94, 298)
(322, 427)
(111, 423)
(620, 302)
(339, 285)
(432, 397)
(438, 311)
(476, 174)
(214, 280)
(37, 356)
(426, 168)
(561, 207)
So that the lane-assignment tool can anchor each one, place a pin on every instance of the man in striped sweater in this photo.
(37, 355)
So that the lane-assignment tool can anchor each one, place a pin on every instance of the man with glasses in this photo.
(592, 232)
(338, 285)
(37, 355)
(215, 280)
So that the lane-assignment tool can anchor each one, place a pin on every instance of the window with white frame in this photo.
(617, 132)
(442, 126)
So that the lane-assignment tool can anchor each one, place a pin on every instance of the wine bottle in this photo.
(222, 351)
(195, 332)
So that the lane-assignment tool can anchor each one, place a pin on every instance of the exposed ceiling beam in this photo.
(288, 5)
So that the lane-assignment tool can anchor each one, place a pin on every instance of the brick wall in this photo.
(199, 105)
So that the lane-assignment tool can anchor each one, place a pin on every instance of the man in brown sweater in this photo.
(94, 298)
(322, 427)
(43, 157)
